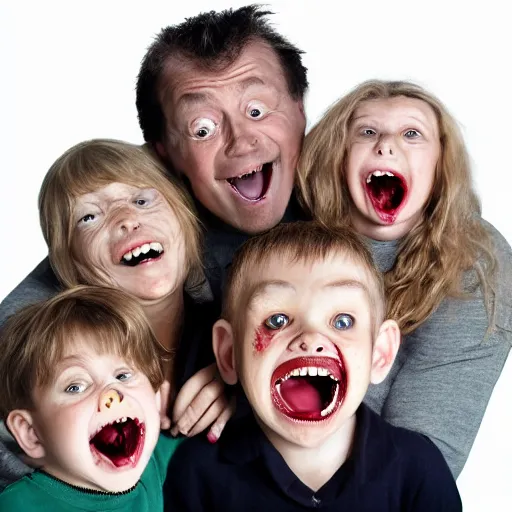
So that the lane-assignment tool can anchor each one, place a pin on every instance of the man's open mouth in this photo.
(142, 253)
(309, 388)
(387, 191)
(253, 185)
(121, 441)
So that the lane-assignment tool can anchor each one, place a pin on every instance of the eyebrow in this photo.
(419, 120)
(262, 287)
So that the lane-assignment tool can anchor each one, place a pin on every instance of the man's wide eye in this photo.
(277, 321)
(343, 321)
(204, 129)
(257, 110)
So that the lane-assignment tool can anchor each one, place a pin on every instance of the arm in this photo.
(40, 284)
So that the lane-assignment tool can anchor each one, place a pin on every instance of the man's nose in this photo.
(110, 398)
(386, 146)
(243, 138)
(312, 344)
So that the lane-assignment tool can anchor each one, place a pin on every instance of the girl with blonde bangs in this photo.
(389, 160)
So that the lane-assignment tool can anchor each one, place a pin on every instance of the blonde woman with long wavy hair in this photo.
(389, 160)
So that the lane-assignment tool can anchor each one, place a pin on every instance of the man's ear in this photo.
(161, 152)
(223, 348)
(385, 348)
(301, 107)
(21, 425)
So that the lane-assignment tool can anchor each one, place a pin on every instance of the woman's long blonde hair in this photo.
(451, 238)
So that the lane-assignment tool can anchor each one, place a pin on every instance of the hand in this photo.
(165, 395)
(200, 403)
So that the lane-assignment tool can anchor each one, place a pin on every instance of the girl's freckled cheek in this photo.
(262, 339)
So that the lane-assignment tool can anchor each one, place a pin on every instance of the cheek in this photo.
(262, 339)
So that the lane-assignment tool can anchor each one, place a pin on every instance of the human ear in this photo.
(384, 351)
(21, 425)
(223, 348)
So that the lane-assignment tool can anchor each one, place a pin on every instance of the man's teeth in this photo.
(378, 174)
(250, 173)
(312, 371)
(144, 249)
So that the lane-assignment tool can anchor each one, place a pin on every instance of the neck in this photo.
(166, 319)
(316, 465)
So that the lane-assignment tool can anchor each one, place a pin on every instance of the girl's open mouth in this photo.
(387, 191)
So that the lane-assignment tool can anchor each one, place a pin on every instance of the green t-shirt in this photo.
(43, 493)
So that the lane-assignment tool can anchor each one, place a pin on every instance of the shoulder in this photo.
(40, 284)
(20, 495)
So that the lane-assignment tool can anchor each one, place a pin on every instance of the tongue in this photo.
(301, 395)
(251, 186)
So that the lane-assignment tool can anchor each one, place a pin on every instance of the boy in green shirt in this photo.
(80, 376)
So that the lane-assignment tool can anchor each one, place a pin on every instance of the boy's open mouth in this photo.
(253, 185)
(387, 191)
(309, 388)
(121, 441)
(142, 253)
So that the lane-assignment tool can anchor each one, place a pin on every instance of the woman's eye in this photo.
(412, 134)
(74, 389)
(123, 376)
(343, 321)
(257, 110)
(368, 132)
(277, 321)
(141, 202)
(204, 129)
(87, 218)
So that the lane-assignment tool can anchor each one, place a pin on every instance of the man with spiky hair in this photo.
(220, 99)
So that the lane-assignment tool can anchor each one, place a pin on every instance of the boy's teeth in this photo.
(312, 371)
(303, 372)
(322, 372)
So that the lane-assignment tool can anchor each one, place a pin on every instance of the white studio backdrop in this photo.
(68, 74)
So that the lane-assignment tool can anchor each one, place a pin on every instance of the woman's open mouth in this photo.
(143, 253)
(120, 442)
(253, 185)
(387, 191)
(309, 388)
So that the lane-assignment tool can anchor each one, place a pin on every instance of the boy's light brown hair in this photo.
(94, 164)
(296, 242)
(34, 340)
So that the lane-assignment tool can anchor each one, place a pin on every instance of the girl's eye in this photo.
(412, 134)
(368, 132)
(343, 321)
(141, 202)
(204, 129)
(277, 321)
(74, 389)
(124, 376)
(257, 110)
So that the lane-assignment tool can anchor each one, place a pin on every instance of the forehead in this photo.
(399, 107)
(109, 191)
(280, 275)
(186, 80)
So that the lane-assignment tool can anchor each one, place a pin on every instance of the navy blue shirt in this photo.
(390, 469)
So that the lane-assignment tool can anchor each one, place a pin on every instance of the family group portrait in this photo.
(258, 256)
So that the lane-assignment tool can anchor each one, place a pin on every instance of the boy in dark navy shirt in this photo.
(302, 331)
